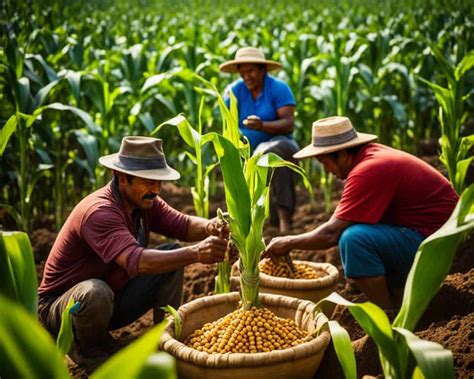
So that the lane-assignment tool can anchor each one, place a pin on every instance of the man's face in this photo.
(139, 192)
(252, 74)
(339, 166)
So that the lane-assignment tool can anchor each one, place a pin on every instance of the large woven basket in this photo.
(306, 289)
(300, 361)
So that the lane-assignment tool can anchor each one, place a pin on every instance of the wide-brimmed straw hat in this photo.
(142, 157)
(333, 134)
(248, 55)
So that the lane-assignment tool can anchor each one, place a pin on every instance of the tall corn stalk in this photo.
(247, 186)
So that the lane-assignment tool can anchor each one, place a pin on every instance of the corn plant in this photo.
(396, 341)
(27, 100)
(456, 152)
(222, 284)
(195, 139)
(19, 283)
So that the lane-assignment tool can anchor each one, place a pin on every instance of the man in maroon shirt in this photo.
(391, 201)
(101, 257)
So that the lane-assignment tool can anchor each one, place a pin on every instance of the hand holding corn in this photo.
(253, 122)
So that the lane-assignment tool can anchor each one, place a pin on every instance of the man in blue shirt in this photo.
(266, 117)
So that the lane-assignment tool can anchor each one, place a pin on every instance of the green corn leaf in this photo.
(375, 323)
(177, 320)
(427, 275)
(74, 80)
(187, 132)
(159, 366)
(147, 121)
(27, 350)
(153, 81)
(235, 186)
(343, 347)
(24, 94)
(50, 73)
(90, 147)
(445, 65)
(129, 362)
(66, 335)
(85, 117)
(464, 66)
(18, 270)
(461, 170)
(8, 129)
(43, 93)
(433, 360)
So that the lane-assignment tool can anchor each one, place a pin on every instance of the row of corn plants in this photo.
(119, 67)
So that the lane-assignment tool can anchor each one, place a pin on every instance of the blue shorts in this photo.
(379, 250)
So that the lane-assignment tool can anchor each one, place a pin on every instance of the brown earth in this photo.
(449, 319)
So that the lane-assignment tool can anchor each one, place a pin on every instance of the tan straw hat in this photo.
(248, 55)
(333, 134)
(142, 157)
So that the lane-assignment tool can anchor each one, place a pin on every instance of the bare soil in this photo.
(449, 319)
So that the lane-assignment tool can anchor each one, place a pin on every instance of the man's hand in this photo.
(253, 122)
(211, 250)
(218, 226)
(278, 247)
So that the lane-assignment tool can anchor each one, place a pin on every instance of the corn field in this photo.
(77, 77)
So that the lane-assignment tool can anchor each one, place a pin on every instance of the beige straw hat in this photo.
(248, 55)
(142, 157)
(333, 134)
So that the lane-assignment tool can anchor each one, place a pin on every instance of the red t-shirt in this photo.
(393, 187)
(97, 231)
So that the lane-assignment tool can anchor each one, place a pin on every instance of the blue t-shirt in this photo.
(274, 95)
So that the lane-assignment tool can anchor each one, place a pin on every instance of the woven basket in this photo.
(300, 361)
(306, 289)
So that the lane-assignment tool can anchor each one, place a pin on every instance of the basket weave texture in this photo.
(300, 361)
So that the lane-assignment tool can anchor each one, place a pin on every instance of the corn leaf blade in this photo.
(66, 335)
(343, 347)
(433, 360)
(27, 350)
(427, 274)
(19, 281)
(129, 362)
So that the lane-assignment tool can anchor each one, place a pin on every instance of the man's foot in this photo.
(88, 359)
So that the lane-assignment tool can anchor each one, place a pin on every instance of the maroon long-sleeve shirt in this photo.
(96, 232)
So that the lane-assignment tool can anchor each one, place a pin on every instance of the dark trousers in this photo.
(101, 310)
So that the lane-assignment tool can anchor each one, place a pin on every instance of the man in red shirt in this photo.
(391, 201)
(101, 257)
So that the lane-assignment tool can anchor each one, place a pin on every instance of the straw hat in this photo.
(142, 157)
(333, 134)
(248, 55)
